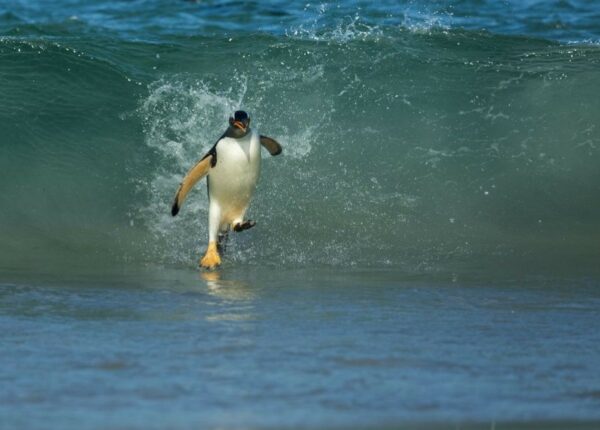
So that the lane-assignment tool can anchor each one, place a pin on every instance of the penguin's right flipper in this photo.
(196, 173)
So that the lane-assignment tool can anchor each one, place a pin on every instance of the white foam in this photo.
(348, 29)
(182, 120)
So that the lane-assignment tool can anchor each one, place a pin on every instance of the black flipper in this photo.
(272, 145)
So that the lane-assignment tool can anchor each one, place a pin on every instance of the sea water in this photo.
(426, 249)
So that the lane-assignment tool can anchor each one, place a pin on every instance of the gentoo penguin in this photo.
(233, 167)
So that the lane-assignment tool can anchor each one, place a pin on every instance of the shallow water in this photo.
(249, 348)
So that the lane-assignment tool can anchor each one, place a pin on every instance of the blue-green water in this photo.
(426, 248)
(253, 348)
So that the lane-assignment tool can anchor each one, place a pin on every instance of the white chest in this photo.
(238, 151)
(238, 166)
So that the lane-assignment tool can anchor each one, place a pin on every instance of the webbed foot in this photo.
(211, 259)
(244, 225)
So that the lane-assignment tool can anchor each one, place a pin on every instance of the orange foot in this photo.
(211, 259)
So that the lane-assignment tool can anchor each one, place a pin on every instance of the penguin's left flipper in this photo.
(199, 171)
(272, 145)
(244, 225)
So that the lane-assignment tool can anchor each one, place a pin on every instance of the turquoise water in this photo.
(426, 248)
(411, 139)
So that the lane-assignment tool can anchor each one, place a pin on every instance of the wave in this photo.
(402, 147)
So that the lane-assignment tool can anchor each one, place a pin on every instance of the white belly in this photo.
(231, 183)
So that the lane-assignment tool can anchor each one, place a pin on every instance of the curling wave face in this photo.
(410, 139)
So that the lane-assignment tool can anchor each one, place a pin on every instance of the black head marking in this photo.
(239, 125)
(240, 115)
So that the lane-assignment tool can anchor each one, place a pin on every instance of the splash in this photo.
(182, 120)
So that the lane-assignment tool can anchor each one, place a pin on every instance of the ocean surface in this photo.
(427, 247)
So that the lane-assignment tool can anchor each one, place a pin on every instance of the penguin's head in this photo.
(239, 124)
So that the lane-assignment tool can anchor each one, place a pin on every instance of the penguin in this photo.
(232, 168)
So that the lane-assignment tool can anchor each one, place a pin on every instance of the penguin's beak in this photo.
(240, 125)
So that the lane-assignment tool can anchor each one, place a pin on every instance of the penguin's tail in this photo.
(222, 240)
